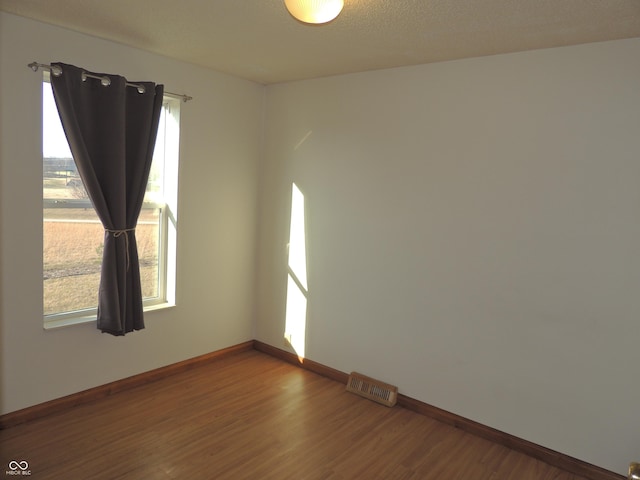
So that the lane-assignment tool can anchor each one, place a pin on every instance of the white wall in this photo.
(220, 149)
(473, 236)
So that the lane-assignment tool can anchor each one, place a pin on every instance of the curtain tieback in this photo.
(125, 232)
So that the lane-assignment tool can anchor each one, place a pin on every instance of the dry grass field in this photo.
(72, 252)
(73, 243)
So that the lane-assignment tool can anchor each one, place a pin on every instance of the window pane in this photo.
(148, 240)
(154, 192)
(73, 242)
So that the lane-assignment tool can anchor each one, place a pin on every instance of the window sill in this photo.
(69, 320)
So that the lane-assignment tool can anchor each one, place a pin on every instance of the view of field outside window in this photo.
(72, 233)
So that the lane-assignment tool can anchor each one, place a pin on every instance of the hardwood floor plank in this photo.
(255, 416)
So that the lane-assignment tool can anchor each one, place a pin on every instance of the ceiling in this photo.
(259, 40)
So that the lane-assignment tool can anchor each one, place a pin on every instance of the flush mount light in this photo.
(314, 11)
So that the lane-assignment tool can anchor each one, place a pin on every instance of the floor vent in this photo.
(372, 389)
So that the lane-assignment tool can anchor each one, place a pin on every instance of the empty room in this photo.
(442, 197)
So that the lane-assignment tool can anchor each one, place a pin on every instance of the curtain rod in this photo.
(106, 81)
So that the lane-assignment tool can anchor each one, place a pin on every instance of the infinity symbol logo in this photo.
(13, 465)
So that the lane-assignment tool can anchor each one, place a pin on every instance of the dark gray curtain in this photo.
(112, 132)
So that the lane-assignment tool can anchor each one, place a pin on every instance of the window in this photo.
(73, 235)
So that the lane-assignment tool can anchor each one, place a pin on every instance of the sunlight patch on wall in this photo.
(296, 317)
(296, 308)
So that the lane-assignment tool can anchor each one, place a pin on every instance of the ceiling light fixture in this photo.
(314, 11)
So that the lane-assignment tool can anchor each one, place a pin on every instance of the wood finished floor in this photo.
(254, 416)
